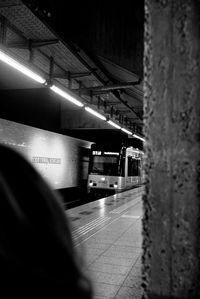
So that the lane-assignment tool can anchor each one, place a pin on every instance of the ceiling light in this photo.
(113, 124)
(88, 109)
(66, 95)
(21, 68)
(138, 137)
(126, 131)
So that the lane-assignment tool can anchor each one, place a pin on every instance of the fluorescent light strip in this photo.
(88, 109)
(126, 131)
(113, 124)
(21, 68)
(138, 137)
(66, 95)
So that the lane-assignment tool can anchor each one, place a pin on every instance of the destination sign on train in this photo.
(111, 153)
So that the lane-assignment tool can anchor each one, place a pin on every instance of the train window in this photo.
(105, 165)
(133, 166)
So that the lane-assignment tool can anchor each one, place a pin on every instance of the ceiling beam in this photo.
(123, 111)
(69, 75)
(107, 88)
(32, 44)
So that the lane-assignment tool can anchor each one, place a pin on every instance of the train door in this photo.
(84, 156)
(127, 178)
(133, 168)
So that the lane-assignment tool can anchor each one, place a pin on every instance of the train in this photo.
(63, 161)
(76, 168)
(114, 168)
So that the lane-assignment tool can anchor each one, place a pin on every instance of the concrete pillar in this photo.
(171, 223)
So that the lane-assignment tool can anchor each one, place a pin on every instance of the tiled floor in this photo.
(108, 237)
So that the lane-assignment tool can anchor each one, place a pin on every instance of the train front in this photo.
(106, 171)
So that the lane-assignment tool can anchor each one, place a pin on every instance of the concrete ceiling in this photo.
(100, 83)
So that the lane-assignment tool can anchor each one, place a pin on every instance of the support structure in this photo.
(171, 222)
(34, 44)
(107, 88)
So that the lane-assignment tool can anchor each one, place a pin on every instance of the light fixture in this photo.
(88, 109)
(113, 124)
(126, 131)
(66, 95)
(138, 137)
(21, 68)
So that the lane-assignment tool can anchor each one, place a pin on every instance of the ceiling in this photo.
(101, 84)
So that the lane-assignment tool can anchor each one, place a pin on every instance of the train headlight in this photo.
(115, 185)
(90, 183)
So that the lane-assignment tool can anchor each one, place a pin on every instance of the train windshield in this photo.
(104, 165)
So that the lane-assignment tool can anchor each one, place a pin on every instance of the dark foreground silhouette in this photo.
(37, 258)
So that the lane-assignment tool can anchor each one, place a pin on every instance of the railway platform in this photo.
(107, 235)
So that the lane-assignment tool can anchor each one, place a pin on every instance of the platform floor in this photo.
(107, 235)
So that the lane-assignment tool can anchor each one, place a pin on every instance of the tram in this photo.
(114, 168)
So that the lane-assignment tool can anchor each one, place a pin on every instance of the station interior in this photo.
(112, 73)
